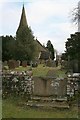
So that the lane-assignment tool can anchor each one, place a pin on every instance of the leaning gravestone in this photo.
(11, 64)
(24, 63)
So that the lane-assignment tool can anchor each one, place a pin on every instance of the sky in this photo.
(48, 19)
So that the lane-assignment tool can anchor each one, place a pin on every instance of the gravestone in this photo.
(17, 63)
(24, 63)
(11, 64)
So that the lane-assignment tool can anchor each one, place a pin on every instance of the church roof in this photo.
(41, 47)
(23, 20)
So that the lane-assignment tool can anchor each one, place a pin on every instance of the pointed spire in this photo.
(23, 20)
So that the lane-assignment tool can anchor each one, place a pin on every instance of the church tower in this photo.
(23, 20)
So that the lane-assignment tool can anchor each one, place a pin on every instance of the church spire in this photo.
(23, 20)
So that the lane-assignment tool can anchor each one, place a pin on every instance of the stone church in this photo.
(42, 52)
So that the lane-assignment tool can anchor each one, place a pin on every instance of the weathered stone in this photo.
(17, 63)
(11, 64)
(24, 63)
(52, 73)
(49, 86)
(29, 73)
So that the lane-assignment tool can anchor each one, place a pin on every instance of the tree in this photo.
(76, 14)
(51, 49)
(0, 48)
(8, 48)
(73, 48)
(25, 46)
(64, 56)
(72, 44)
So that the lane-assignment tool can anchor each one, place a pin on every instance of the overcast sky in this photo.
(48, 19)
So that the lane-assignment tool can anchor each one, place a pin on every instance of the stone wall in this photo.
(19, 84)
(73, 84)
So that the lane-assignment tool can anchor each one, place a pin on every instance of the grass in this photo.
(37, 71)
(0, 109)
(12, 109)
(42, 71)
(22, 68)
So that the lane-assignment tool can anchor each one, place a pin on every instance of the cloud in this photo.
(49, 19)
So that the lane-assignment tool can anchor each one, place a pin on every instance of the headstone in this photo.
(17, 63)
(24, 63)
(11, 64)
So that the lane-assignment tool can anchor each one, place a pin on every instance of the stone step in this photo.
(48, 99)
(47, 105)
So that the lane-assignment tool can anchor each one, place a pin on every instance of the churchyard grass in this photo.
(20, 68)
(0, 108)
(12, 109)
(37, 71)
(41, 71)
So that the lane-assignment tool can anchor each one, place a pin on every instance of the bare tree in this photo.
(76, 16)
